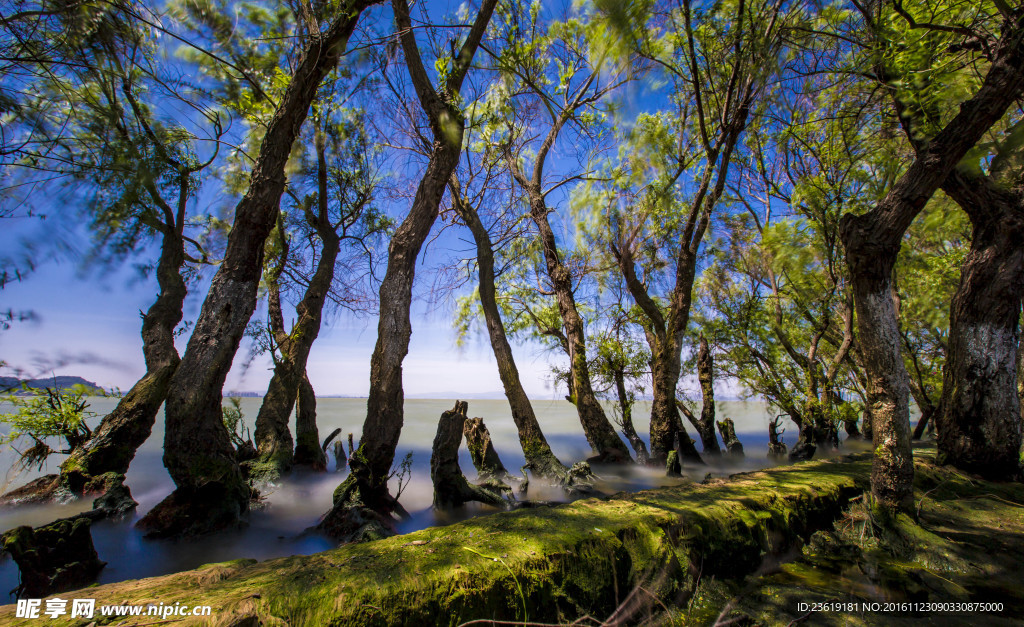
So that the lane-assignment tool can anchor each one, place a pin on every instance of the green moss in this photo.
(964, 546)
(583, 558)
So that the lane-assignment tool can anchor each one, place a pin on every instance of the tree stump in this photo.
(340, 460)
(451, 489)
(776, 447)
(481, 450)
(55, 557)
(732, 444)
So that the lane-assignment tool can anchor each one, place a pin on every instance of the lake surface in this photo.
(302, 498)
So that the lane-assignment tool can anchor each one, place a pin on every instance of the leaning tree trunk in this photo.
(210, 491)
(979, 423)
(273, 438)
(384, 407)
(114, 443)
(706, 424)
(539, 457)
(364, 493)
(308, 451)
(628, 430)
(599, 431)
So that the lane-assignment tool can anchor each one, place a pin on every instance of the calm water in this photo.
(299, 501)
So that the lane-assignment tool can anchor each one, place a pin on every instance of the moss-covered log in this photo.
(545, 564)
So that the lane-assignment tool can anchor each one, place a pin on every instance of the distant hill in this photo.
(62, 382)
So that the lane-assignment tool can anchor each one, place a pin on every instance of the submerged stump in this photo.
(481, 450)
(776, 447)
(732, 444)
(451, 489)
(55, 557)
(196, 511)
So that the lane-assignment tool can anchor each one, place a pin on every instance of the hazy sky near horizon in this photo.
(88, 325)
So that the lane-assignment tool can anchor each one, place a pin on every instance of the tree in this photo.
(210, 491)
(56, 414)
(872, 242)
(338, 212)
(719, 63)
(539, 457)
(557, 73)
(365, 491)
(140, 169)
(979, 421)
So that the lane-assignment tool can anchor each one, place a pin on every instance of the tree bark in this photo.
(732, 443)
(628, 430)
(114, 443)
(872, 241)
(481, 450)
(364, 493)
(197, 451)
(539, 457)
(451, 489)
(273, 438)
(308, 451)
(599, 431)
(979, 421)
(705, 374)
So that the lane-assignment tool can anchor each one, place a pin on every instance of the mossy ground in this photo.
(966, 546)
(678, 554)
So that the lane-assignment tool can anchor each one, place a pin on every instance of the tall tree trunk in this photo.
(273, 438)
(979, 423)
(539, 457)
(364, 493)
(121, 433)
(626, 407)
(599, 431)
(211, 492)
(308, 451)
(706, 376)
(872, 241)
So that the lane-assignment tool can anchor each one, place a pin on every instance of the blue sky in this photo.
(88, 322)
(88, 325)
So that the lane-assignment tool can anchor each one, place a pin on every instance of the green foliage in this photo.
(234, 422)
(53, 414)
